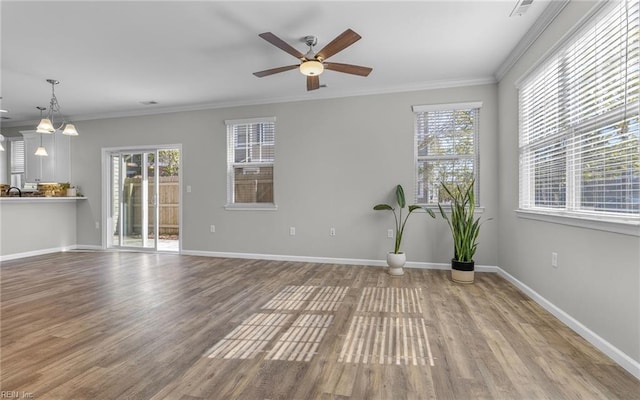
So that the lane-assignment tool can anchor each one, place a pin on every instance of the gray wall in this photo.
(35, 226)
(598, 278)
(335, 159)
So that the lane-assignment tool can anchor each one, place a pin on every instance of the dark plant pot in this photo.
(462, 271)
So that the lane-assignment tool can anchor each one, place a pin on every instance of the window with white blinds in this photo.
(17, 156)
(579, 128)
(446, 148)
(250, 159)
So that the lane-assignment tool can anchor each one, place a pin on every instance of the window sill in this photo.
(251, 207)
(624, 226)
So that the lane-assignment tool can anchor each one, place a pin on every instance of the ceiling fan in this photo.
(313, 64)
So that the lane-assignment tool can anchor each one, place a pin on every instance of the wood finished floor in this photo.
(93, 325)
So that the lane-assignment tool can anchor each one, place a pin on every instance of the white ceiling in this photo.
(110, 56)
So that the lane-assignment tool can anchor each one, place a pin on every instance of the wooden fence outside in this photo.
(168, 201)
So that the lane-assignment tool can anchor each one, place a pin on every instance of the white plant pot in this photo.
(71, 192)
(395, 263)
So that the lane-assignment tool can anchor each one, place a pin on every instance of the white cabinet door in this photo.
(62, 159)
(55, 167)
(32, 163)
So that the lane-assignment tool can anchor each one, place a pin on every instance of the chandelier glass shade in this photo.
(47, 125)
(41, 151)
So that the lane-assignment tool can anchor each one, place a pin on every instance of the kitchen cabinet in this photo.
(56, 166)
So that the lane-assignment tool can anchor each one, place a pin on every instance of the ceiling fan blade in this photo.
(348, 68)
(281, 44)
(344, 40)
(272, 71)
(313, 82)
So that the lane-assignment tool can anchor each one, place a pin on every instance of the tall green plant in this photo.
(400, 222)
(464, 228)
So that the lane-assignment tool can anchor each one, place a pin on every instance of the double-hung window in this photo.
(446, 149)
(579, 129)
(250, 160)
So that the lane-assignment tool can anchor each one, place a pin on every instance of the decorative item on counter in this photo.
(68, 190)
(3, 189)
(52, 189)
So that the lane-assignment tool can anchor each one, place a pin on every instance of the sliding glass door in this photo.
(144, 185)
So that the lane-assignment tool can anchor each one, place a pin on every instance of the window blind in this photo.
(579, 130)
(17, 156)
(446, 148)
(250, 158)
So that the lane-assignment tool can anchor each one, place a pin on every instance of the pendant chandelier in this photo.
(41, 151)
(47, 124)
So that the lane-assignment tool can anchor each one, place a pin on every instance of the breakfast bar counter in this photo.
(31, 225)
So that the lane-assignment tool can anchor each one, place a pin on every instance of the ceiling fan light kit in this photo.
(313, 64)
(310, 68)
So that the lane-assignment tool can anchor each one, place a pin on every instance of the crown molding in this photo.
(548, 15)
(413, 87)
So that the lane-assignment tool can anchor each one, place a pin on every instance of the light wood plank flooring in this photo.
(106, 325)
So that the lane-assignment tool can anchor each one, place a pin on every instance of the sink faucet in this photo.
(16, 188)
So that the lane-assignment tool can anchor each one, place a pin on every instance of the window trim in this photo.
(229, 205)
(476, 146)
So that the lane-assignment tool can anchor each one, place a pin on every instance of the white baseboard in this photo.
(279, 257)
(328, 260)
(600, 343)
(88, 247)
(33, 253)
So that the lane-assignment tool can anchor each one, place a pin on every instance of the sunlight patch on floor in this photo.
(251, 337)
(301, 340)
(387, 340)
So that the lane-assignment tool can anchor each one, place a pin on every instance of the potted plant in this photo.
(68, 189)
(396, 259)
(464, 229)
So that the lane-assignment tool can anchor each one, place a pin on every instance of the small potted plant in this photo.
(396, 259)
(68, 189)
(465, 229)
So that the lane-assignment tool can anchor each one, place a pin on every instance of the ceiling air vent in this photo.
(520, 8)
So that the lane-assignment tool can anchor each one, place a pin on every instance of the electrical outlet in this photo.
(212, 229)
(292, 230)
(332, 232)
(97, 225)
(390, 233)
(188, 188)
(554, 259)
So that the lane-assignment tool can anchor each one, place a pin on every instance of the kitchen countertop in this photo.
(38, 199)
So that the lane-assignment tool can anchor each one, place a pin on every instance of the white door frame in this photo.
(107, 223)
